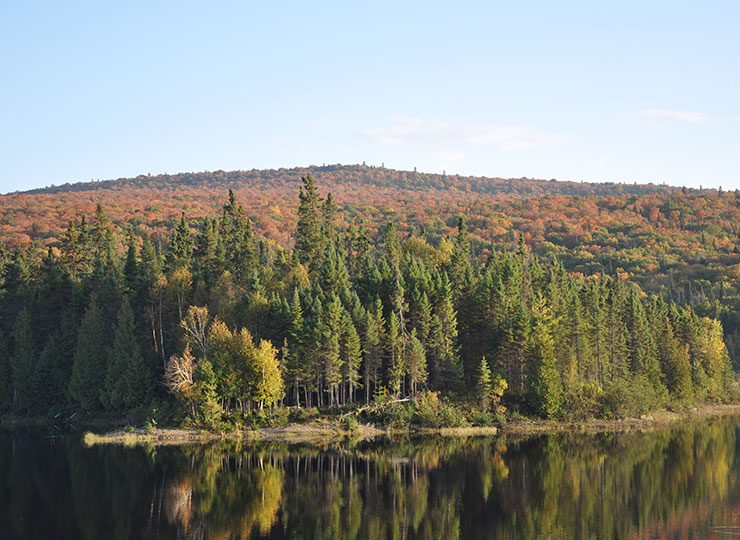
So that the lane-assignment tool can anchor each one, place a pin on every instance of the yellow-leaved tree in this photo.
(268, 387)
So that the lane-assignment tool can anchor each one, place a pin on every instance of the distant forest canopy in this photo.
(679, 243)
(231, 321)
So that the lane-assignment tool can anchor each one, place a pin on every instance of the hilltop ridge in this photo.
(368, 175)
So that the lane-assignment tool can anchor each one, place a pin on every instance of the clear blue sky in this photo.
(601, 91)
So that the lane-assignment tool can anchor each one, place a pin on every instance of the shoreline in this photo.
(660, 419)
(330, 433)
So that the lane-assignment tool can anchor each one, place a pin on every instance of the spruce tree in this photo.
(484, 387)
(351, 358)
(416, 363)
(90, 359)
(128, 379)
(545, 388)
(180, 251)
(23, 361)
(308, 236)
(373, 357)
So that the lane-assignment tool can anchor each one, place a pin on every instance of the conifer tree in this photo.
(128, 380)
(351, 351)
(131, 267)
(308, 236)
(294, 363)
(103, 235)
(90, 359)
(484, 387)
(180, 251)
(22, 361)
(395, 346)
(416, 363)
(447, 368)
(5, 379)
(546, 390)
(331, 358)
(373, 357)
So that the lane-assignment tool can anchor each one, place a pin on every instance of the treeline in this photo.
(230, 322)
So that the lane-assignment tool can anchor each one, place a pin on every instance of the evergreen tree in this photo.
(90, 359)
(373, 357)
(22, 362)
(351, 352)
(131, 267)
(416, 362)
(447, 368)
(128, 380)
(484, 388)
(180, 252)
(546, 391)
(308, 238)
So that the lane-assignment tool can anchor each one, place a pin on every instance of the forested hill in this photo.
(372, 194)
(232, 323)
(331, 175)
(680, 243)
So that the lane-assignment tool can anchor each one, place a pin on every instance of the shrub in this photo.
(302, 415)
(452, 416)
(582, 401)
(630, 398)
(433, 412)
(428, 407)
(350, 423)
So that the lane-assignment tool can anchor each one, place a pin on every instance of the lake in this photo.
(682, 483)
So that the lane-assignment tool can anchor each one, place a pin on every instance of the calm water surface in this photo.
(682, 483)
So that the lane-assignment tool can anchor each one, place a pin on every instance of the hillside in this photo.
(681, 243)
(232, 323)
(370, 193)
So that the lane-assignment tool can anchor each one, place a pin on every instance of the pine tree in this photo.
(329, 220)
(131, 267)
(206, 395)
(308, 237)
(416, 362)
(128, 380)
(447, 368)
(330, 347)
(90, 359)
(22, 361)
(373, 357)
(5, 377)
(294, 363)
(642, 351)
(351, 358)
(180, 252)
(546, 390)
(395, 346)
(484, 388)
(103, 235)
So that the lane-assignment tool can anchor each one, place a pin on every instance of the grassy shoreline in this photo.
(331, 433)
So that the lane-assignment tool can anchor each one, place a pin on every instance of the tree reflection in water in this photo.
(665, 484)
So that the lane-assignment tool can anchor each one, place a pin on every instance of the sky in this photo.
(596, 91)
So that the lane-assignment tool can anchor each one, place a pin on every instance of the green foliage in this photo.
(90, 360)
(22, 361)
(631, 398)
(351, 423)
(128, 379)
(303, 415)
(398, 313)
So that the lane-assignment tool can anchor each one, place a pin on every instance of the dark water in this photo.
(681, 483)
